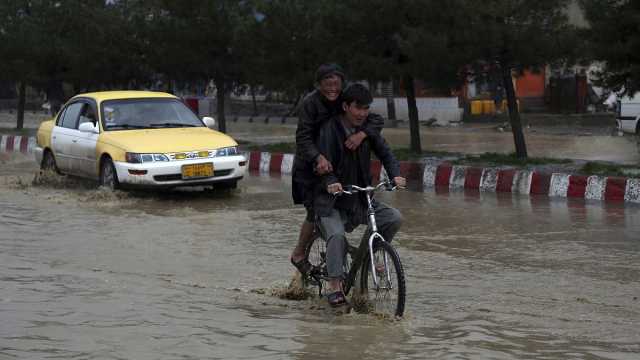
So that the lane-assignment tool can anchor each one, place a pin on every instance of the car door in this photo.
(63, 134)
(84, 148)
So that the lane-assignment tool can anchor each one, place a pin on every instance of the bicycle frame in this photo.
(369, 190)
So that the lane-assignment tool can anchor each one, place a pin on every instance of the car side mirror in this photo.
(209, 122)
(89, 127)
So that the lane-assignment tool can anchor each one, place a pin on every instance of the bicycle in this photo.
(376, 260)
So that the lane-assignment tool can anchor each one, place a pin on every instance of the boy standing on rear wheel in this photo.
(316, 109)
(353, 167)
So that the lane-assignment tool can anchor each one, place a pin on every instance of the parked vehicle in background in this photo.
(138, 139)
(628, 114)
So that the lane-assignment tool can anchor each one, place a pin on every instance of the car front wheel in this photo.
(108, 175)
(49, 162)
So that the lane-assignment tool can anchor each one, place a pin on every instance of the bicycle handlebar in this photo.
(389, 186)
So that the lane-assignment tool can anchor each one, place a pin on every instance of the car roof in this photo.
(128, 94)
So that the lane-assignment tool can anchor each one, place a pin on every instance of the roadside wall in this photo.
(444, 110)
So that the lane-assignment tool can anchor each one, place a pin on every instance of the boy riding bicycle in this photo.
(340, 214)
(316, 109)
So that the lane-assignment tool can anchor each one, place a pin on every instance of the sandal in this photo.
(337, 299)
(304, 266)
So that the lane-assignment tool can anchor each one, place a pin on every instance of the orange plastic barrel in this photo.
(476, 107)
(488, 107)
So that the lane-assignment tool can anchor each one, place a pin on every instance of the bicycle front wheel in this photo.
(387, 295)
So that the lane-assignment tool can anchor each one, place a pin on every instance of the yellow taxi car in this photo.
(138, 139)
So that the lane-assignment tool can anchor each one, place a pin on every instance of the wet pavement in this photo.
(90, 274)
(550, 142)
(562, 142)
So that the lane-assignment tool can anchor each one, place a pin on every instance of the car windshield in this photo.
(147, 114)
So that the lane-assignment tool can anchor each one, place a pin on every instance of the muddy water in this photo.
(540, 143)
(553, 142)
(94, 275)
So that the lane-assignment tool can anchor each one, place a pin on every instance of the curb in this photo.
(17, 143)
(453, 177)
(445, 175)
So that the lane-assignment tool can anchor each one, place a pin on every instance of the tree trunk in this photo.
(170, 89)
(253, 98)
(391, 104)
(220, 93)
(55, 96)
(514, 113)
(414, 125)
(21, 102)
(293, 110)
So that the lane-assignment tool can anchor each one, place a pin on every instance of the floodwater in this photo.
(562, 142)
(551, 142)
(90, 274)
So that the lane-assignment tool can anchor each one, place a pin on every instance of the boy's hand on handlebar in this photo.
(400, 182)
(323, 166)
(334, 188)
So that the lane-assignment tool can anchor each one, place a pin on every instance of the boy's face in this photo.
(356, 113)
(330, 87)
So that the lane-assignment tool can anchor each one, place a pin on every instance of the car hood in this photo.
(167, 140)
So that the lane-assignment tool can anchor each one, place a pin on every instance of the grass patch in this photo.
(21, 132)
(290, 148)
(508, 159)
(403, 154)
(604, 169)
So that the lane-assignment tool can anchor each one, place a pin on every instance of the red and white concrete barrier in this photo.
(506, 180)
(17, 143)
(525, 182)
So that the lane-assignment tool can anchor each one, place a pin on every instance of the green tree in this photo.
(404, 40)
(16, 50)
(200, 40)
(47, 43)
(297, 36)
(614, 38)
(511, 35)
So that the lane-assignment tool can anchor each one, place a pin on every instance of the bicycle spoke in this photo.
(387, 297)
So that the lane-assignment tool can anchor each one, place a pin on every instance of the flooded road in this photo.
(561, 142)
(551, 142)
(89, 274)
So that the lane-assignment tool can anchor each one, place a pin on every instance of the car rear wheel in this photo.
(108, 175)
(49, 163)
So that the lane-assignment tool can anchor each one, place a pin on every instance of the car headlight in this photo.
(137, 158)
(228, 151)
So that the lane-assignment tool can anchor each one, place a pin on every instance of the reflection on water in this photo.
(192, 274)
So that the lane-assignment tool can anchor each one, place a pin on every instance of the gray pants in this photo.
(332, 228)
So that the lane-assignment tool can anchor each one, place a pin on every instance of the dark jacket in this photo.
(349, 168)
(314, 111)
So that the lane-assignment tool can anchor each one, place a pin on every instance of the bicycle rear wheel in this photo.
(387, 298)
(317, 255)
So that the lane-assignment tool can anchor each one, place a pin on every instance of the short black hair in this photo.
(358, 93)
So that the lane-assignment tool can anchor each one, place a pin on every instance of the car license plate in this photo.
(193, 171)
